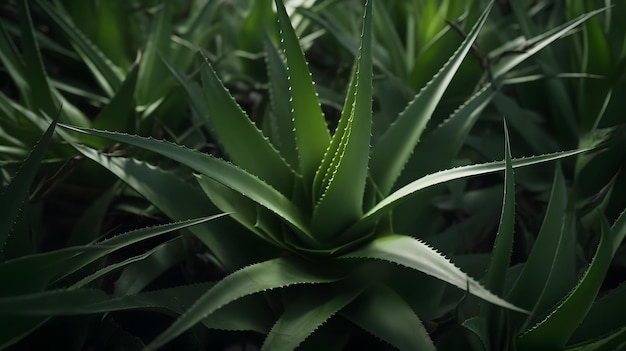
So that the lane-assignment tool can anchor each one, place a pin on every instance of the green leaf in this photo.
(534, 276)
(346, 184)
(280, 115)
(312, 136)
(218, 170)
(304, 315)
(412, 253)
(383, 313)
(18, 189)
(136, 276)
(394, 148)
(501, 252)
(616, 340)
(40, 95)
(272, 274)
(238, 135)
(119, 112)
(558, 327)
(106, 73)
(539, 42)
(605, 314)
(165, 189)
(152, 73)
(447, 175)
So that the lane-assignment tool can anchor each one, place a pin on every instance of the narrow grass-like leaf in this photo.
(217, 169)
(105, 72)
(501, 253)
(17, 191)
(312, 136)
(394, 148)
(347, 182)
(539, 42)
(383, 313)
(557, 328)
(534, 275)
(238, 135)
(447, 175)
(305, 315)
(414, 254)
(138, 275)
(152, 72)
(47, 303)
(272, 274)
(87, 228)
(38, 85)
(280, 115)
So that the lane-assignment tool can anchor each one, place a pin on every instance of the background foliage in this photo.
(104, 245)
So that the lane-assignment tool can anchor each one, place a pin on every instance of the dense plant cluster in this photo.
(323, 175)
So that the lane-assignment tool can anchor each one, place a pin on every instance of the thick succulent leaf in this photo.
(383, 313)
(440, 177)
(17, 327)
(557, 328)
(105, 72)
(347, 182)
(394, 148)
(219, 170)
(501, 253)
(280, 116)
(312, 136)
(17, 191)
(305, 315)
(51, 302)
(165, 189)
(272, 274)
(383, 24)
(534, 276)
(238, 135)
(539, 42)
(412, 253)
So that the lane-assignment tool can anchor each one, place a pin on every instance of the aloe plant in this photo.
(326, 202)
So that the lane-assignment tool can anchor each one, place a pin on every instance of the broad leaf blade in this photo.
(383, 313)
(347, 182)
(414, 254)
(394, 148)
(273, 274)
(239, 136)
(312, 136)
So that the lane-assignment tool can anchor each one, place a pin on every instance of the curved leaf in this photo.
(217, 169)
(557, 328)
(412, 253)
(384, 314)
(394, 148)
(392, 200)
(272, 274)
(305, 315)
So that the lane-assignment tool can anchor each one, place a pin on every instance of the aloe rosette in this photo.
(326, 200)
